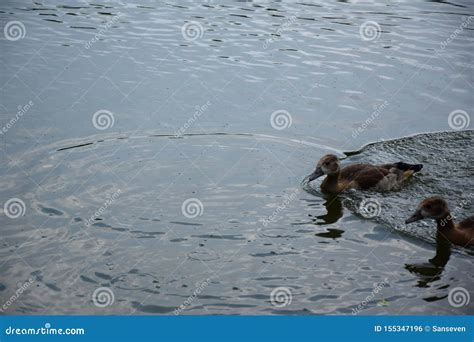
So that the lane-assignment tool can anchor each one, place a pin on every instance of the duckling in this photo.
(361, 176)
(461, 234)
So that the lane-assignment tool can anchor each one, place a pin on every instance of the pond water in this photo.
(159, 153)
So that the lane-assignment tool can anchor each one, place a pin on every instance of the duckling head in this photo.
(432, 207)
(327, 165)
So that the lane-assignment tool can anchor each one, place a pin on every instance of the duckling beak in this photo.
(415, 217)
(316, 174)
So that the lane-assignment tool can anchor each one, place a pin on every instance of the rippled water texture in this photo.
(186, 119)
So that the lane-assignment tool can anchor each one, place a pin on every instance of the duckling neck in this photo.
(330, 183)
(445, 223)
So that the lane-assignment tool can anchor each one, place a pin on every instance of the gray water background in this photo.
(249, 60)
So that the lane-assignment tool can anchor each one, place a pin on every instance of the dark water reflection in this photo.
(431, 270)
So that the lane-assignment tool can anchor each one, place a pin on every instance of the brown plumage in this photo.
(361, 176)
(461, 234)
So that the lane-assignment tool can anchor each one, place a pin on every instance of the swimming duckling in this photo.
(361, 176)
(461, 234)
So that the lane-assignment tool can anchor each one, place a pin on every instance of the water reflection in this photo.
(332, 204)
(429, 272)
(334, 210)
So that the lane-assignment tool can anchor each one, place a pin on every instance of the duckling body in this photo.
(361, 176)
(467, 223)
(461, 234)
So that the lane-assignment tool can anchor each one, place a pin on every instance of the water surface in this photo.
(192, 120)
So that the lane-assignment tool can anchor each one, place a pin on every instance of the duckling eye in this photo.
(428, 206)
(326, 164)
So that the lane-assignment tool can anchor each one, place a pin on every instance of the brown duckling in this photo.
(361, 176)
(461, 234)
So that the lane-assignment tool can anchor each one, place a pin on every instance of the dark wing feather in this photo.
(403, 166)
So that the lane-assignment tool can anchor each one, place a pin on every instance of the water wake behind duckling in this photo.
(447, 171)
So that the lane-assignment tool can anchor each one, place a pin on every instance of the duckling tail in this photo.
(408, 167)
(408, 173)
